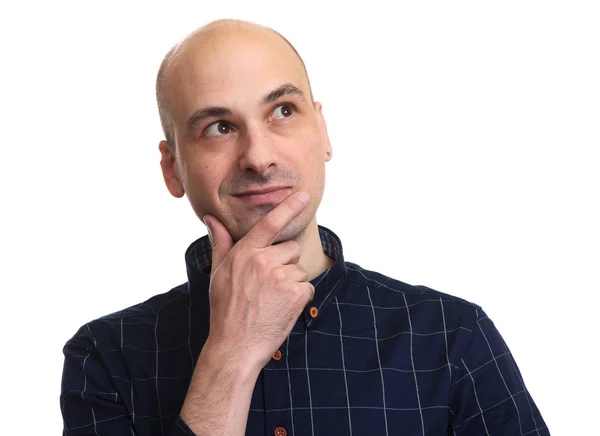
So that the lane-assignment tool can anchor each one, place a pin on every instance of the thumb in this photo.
(220, 239)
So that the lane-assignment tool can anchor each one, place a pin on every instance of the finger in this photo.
(293, 273)
(298, 273)
(310, 291)
(265, 231)
(220, 240)
(287, 252)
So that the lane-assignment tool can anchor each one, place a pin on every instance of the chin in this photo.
(294, 230)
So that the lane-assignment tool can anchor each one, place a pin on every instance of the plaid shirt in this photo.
(380, 357)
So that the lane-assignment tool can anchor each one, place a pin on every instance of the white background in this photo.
(465, 136)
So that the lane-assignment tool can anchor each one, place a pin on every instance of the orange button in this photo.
(277, 355)
(313, 312)
(280, 431)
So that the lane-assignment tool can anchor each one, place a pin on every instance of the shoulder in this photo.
(418, 299)
(176, 298)
(108, 329)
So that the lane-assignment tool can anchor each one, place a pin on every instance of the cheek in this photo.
(313, 169)
(309, 146)
(316, 157)
(204, 180)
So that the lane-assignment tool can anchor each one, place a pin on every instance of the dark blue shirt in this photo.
(376, 357)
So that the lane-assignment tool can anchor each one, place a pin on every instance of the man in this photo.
(275, 333)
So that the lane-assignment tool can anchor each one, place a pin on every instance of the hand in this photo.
(257, 290)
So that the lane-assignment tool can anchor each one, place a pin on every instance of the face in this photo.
(247, 134)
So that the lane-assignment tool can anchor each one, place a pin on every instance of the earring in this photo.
(328, 154)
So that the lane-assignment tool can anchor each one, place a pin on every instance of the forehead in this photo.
(230, 68)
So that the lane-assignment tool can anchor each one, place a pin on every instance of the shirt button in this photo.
(313, 312)
(277, 355)
(280, 431)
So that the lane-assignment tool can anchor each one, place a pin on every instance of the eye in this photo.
(218, 129)
(283, 111)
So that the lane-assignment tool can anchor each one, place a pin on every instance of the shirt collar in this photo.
(198, 259)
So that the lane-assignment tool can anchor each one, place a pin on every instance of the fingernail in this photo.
(303, 197)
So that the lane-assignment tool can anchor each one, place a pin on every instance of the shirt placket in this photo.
(277, 395)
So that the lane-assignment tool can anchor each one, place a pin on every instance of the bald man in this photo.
(274, 333)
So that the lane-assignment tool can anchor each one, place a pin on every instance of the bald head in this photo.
(200, 47)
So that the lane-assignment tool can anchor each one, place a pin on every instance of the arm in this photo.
(219, 395)
(489, 396)
(89, 401)
(257, 291)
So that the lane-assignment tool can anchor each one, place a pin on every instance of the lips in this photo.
(267, 195)
(261, 191)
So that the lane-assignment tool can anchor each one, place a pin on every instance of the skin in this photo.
(257, 292)
(266, 249)
(235, 64)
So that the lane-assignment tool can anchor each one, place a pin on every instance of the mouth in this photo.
(267, 195)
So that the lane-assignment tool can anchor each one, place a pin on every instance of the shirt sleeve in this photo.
(89, 401)
(489, 396)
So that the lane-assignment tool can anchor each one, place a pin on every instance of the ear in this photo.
(168, 164)
(327, 152)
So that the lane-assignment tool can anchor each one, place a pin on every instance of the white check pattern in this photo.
(381, 358)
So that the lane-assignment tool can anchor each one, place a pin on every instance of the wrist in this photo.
(221, 388)
(239, 358)
(221, 357)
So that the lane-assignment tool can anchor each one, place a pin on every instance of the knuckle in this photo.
(291, 206)
(311, 291)
(294, 252)
(302, 273)
(270, 223)
(279, 275)
(261, 260)
(294, 245)
(305, 292)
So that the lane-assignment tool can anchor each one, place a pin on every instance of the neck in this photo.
(313, 259)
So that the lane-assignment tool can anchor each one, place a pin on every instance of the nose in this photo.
(257, 153)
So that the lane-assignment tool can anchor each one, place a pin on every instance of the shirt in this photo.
(370, 355)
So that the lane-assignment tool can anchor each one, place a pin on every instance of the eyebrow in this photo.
(219, 111)
(286, 89)
(207, 112)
